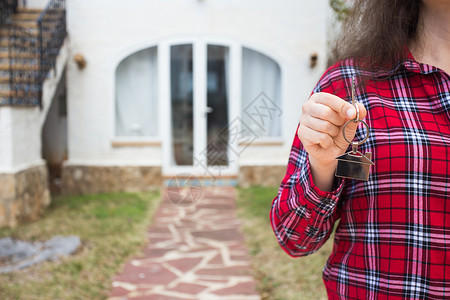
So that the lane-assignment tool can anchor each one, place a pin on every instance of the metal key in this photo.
(354, 164)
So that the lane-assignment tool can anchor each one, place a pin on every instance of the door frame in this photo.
(199, 44)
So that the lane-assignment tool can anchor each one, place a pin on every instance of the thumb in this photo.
(351, 113)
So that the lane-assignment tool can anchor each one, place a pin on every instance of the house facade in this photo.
(141, 93)
(211, 89)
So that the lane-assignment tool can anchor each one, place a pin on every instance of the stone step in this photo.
(33, 15)
(25, 10)
(5, 42)
(18, 94)
(4, 86)
(17, 55)
(28, 16)
(21, 67)
(28, 32)
(4, 79)
(33, 23)
(18, 65)
(26, 24)
(21, 91)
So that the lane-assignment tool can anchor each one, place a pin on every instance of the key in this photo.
(354, 164)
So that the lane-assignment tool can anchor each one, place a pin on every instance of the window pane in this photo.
(136, 95)
(217, 101)
(181, 87)
(261, 93)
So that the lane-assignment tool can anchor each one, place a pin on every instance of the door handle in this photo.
(208, 110)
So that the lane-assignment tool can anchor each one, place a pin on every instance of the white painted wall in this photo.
(37, 3)
(54, 131)
(106, 31)
(20, 139)
(21, 127)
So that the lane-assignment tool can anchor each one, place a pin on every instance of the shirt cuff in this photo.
(316, 195)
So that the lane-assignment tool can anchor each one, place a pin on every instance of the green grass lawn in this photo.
(280, 276)
(111, 227)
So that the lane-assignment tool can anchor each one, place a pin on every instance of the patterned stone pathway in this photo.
(195, 252)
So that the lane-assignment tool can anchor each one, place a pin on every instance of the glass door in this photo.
(199, 109)
(182, 104)
(217, 106)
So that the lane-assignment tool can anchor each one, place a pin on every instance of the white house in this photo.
(145, 91)
(211, 88)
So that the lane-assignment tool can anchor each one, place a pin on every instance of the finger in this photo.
(323, 112)
(320, 125)
(310, 137)
(337, 104)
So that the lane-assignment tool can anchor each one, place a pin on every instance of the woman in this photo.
(393, 236)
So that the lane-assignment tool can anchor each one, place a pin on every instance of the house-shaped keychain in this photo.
(354, 165)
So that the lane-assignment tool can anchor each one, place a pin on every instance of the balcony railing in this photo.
(32, 53)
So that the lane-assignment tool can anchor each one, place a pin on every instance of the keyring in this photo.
(354, 103)
(365, 138)
(354, 164)
(356, 119)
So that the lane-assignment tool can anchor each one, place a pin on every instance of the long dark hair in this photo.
(377, 32)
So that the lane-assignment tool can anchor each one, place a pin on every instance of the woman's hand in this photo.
(320, 131)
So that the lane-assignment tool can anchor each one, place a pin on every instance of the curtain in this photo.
(261, 93)
(136, 95)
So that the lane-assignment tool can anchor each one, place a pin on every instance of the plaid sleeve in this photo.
(302, 216)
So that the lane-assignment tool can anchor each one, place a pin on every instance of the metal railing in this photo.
(23, 68)
(52, 32)
(32, 53)
(7, 8)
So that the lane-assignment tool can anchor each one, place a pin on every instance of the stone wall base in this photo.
(81, 180)
(261, 175)
(23, 195)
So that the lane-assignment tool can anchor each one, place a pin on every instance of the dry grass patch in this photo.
(279, 276)
(111, 227)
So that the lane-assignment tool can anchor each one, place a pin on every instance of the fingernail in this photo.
(350, 112)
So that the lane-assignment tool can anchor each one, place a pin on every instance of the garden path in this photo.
(195, 251)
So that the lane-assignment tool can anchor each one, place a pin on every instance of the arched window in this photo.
(261, 94)
(136, 95)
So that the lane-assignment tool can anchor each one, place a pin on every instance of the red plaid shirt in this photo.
(393, 237)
